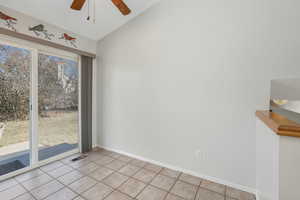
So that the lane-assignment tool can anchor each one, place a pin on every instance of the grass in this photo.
(59, 127)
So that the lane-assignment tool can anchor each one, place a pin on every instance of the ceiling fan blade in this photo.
(122, 7)
(77, 4)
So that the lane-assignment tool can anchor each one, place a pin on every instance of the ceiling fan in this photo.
(78, 4)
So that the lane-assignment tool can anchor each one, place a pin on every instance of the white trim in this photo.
(34, 136)
(79, 104)
(257, 195)
(40, 164)
(17, 45)
(210, 178)
(59, 55)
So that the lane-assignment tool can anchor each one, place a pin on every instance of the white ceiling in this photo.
(58, 12)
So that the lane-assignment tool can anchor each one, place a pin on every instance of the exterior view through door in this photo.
(39, 106)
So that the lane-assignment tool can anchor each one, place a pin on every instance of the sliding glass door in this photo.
(57, 105)
(15, 82)
(39, 106)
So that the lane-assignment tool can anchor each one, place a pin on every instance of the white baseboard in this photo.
(210, 178)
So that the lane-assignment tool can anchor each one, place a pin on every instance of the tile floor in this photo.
(112, 176)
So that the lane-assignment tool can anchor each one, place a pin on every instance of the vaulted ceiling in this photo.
(58, 12)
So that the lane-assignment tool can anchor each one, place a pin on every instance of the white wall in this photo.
(187, 77)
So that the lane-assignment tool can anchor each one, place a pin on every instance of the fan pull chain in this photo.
(88, 18)
(94, 20)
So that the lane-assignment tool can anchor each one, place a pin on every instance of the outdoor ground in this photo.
(59, 127)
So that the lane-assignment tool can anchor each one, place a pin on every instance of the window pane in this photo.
(58, 105)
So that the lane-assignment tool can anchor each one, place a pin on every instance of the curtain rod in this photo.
(44, 42)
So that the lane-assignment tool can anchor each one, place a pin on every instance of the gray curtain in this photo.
(86, 102)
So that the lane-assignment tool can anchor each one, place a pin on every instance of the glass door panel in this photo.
(15, 83)
(57, 105)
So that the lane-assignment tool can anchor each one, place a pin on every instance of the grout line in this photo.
(88, 175)
(147, 183)
(198, 188)
(68, 186)
(27, 191)
(201, 180)
(56, 191)
(176, 180)
(99, 166)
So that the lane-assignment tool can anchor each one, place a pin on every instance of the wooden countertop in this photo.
(279, 124)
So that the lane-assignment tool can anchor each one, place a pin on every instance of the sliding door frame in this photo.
(33, 137)
(76, 58)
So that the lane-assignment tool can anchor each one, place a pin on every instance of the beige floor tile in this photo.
(132, 187)
(7, 184)
(101, 173)
(68, 160)
(116, 165)
(190, 179)
(29, 175)
(104, 160)
(152, 193)
(115, 180)
(95, 152)
(52, 166)
(25, 196)
(184, 190)
(36, 182)
(79, 198)
(215, 187)
(173, 197)
(115, 155)
(97, 192)
(204, 194)
(60, 171)
(153, 167)
(70, 177)
(118, 196)
(106, 152)
(145, 175)
(238, 194)
(163, 182)
(89, 168)
(138, 163)
(79, 163)
(94, 157)
(46, 190)
(82, 184)
(64, 194)
(102, 166)
(125, 158)
(169, 172)
(12, 192)
(129, 170)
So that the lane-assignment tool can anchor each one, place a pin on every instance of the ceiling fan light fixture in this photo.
(123, 8)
